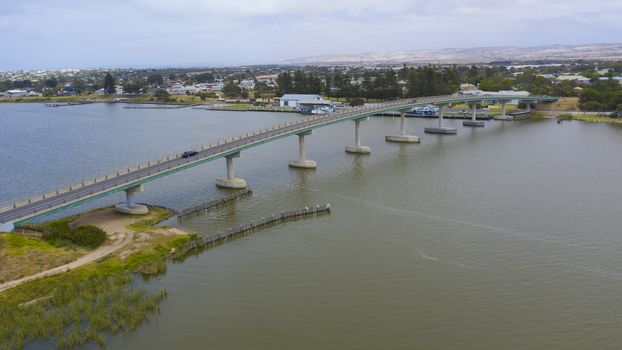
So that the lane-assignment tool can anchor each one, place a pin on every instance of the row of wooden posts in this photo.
(214, 203)
(232, 232)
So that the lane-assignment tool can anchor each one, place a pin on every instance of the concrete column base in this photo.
(234, 183)
(137, 209)
(402, 138)
(475, 123)
(303, 164)
(441, 130)
(7, 227)
(358, 149)
(503, 117)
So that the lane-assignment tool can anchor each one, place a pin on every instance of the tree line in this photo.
(381, 84)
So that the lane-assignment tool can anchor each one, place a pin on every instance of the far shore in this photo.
(188, 100)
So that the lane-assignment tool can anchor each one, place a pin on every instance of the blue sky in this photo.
(141, 33)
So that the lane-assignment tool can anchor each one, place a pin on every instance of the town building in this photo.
(547, 76)
(618, 79)
(577, 78)
(15, 93)
(247, 84)
(291, 100)
(177, 89)
(468, 87)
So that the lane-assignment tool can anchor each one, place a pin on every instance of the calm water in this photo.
(506, 237)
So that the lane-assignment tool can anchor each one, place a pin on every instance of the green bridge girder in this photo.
(400, 105)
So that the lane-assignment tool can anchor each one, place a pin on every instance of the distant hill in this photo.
(473, 55)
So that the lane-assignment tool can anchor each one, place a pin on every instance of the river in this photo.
(503, 237)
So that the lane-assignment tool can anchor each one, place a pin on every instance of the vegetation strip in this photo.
(78, 313)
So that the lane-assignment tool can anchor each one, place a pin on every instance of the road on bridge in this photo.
(33, 208)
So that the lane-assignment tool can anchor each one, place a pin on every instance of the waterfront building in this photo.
(291, 100)
(15, 93)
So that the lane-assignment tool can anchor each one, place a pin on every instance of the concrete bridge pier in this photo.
(303, 162)
(503, 115)
(7, 227)
(357, 148)
(402, 137)
(230, 181)
(130, 206)
(440, 129)
(473, 121)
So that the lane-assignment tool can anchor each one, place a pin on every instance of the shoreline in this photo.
(37, 305)
(121, 230)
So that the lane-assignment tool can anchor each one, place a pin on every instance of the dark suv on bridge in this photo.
(189, 154)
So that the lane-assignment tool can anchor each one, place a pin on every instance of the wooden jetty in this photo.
(67, 104)
(160, 107)
(214, 203)
(242, 230)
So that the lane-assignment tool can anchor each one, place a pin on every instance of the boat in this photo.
(425, 111)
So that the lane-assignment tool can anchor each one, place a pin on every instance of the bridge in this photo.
(133, 179)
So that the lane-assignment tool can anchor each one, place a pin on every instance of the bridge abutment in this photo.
(7, 227)
(473, 121)
(302, 162)
(402, 137)
(130, 206)
(230, 181)
(440, 129)
(357, 148)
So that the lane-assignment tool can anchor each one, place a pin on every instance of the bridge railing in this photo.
(176, 156)
(246, 138)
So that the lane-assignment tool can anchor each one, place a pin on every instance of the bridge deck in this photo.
(32, 208)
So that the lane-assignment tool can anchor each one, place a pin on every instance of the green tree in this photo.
(134, 87)
(109, 84)
(79, 86)
(495, 84)
(285, 83)
(314, 84)
(262, 88)
(328, 87)
(162, 95)
(51, 82)
(356, 101)
(203, 78)
(300, 82)
(232, 90)
(155, 79)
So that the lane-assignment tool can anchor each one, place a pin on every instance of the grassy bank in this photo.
(591, 118)
(83, 304)
(41, 99)
(181, 99)
(540, 115)
(23, 256)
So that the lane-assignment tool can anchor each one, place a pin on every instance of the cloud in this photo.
(69, 33)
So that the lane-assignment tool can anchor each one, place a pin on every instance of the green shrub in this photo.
(357, 101)
(59, 231)
(88, 236)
